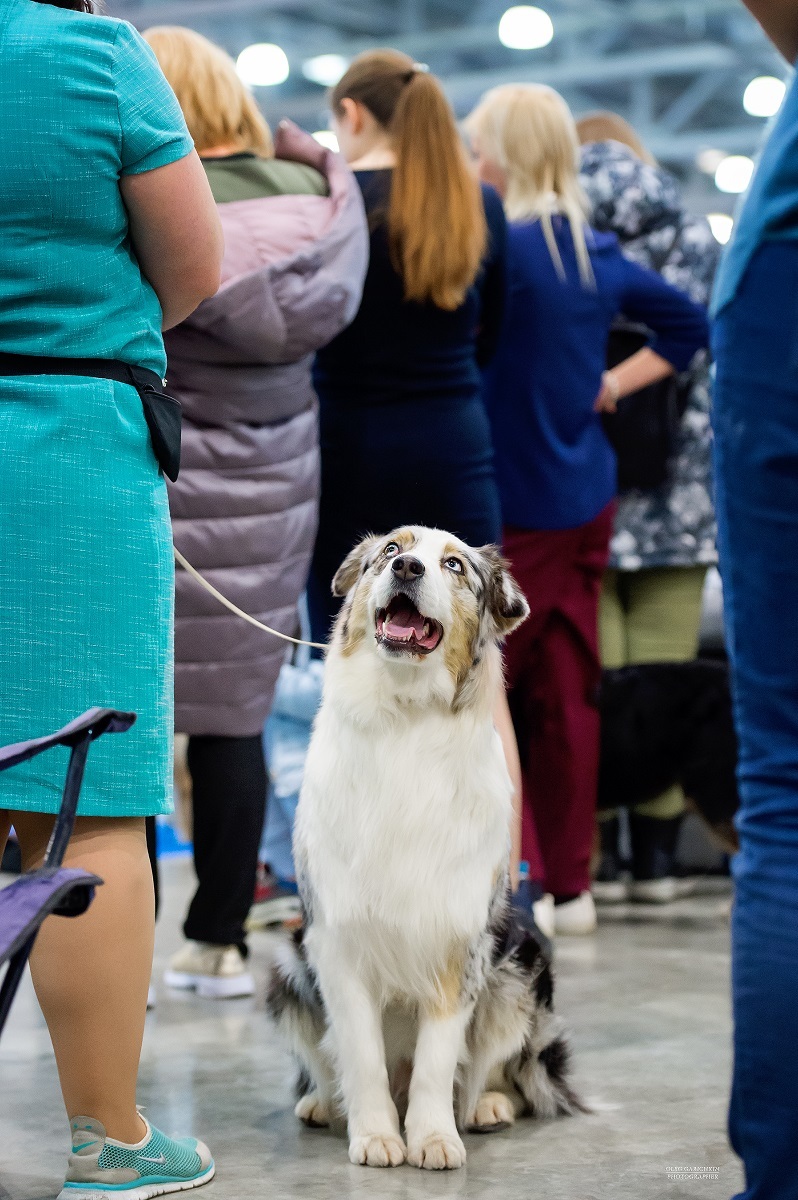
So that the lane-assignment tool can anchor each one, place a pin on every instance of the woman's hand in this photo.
(610, 394)
(636, 372)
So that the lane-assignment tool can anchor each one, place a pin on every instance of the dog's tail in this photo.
(295, 1004)
(541, 1069)
(516, 1042)
(541, 1072)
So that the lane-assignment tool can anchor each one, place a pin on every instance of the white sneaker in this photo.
(213, 972)
(575, 917)
(660, 891)
(543, 913)
(610, 891)
(152, 999)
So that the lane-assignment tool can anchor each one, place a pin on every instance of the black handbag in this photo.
(644, 428)
(163, 413)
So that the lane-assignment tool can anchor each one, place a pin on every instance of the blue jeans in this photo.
(756, 458)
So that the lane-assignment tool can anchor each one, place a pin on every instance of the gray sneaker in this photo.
(100, 1168)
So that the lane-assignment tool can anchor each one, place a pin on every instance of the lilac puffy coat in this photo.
(245, 506)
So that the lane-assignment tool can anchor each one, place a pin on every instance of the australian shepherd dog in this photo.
(414, 1003)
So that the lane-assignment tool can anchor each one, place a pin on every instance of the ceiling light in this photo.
(763, 96)
(734, 173)
(325, 69)
(708, 161)
(262, 65)
(721, 225)
(525, 27)
(326, 138)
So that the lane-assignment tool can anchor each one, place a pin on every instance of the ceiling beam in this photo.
(593, 17)
(691, 100)
(183, 12)
(684, 147)
(637, 64)
(461, 37)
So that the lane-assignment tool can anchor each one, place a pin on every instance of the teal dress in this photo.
(86, 572)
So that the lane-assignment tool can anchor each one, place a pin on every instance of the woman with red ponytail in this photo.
(404, 435)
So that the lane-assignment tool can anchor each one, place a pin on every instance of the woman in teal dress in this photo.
(107, 233)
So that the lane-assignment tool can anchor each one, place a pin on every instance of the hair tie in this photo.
(418, 68)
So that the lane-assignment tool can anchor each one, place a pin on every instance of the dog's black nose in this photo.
(405, 566)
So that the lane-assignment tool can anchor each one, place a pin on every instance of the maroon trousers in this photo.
(553, 676)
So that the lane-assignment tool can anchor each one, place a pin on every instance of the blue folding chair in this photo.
(65, 891)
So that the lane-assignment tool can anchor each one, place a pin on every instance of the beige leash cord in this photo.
(186, 565)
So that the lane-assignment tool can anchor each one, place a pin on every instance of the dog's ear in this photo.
(354, 565)
(504, 600)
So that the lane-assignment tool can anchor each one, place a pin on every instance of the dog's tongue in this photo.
(405, 621)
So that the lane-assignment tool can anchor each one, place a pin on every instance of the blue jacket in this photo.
(555, 467)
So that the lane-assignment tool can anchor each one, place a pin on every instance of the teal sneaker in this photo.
(101, 1168)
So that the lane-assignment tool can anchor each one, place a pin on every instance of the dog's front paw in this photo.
(438, 1152)
(377, 1150)
(493, 1112)
(313, 1111)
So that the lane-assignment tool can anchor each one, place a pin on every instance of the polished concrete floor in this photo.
(647, 1004)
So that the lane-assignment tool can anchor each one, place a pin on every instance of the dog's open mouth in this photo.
(401, 626)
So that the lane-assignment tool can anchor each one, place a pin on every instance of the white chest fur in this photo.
(402, 830)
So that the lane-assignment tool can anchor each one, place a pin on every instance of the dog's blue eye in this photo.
(455, 565)
(391, 550)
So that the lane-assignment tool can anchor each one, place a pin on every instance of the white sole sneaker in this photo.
(614, 891)
(211, 987)
(660, 891)
(575, 918)
(144, 1192)
(543, 913)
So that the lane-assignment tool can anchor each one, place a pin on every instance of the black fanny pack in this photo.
(162, 413)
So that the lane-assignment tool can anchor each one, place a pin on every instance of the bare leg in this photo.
(504, 724)
(91, 973)
(432, 1137)
(359, 1045)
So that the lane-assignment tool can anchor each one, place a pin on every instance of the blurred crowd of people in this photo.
(413, 331)
(464, 392)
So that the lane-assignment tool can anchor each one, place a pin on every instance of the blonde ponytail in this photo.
(436, 220)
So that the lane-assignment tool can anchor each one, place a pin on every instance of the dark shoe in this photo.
(611, 881)
(12, 859)
(532, 900)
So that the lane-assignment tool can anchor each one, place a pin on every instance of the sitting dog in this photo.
(411, 991)
(667, 723)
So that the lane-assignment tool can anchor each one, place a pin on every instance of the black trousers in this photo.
(229, 784)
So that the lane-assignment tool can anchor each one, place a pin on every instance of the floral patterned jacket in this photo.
(672, 525)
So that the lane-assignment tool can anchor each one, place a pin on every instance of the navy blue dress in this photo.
(405, 437)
